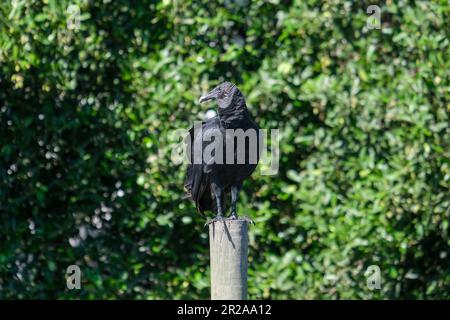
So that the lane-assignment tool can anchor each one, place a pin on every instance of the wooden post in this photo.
(228, 242)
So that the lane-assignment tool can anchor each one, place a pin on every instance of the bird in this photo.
(218, 167)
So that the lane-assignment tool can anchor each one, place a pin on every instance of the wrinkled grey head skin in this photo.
(225, 93)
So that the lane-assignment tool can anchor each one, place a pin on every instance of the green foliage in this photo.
(86, 117)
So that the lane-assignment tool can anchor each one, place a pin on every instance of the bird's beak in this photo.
(209, 96)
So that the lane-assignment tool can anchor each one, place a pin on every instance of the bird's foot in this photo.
(247, 219)
(219, 217)
(234, 216)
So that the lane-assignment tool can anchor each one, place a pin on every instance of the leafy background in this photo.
(86, 123)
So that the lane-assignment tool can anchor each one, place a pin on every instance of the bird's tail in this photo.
(199, 191)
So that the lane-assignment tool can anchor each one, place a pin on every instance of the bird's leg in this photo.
(218, 195)
(234, 196)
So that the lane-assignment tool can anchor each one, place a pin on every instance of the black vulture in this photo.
(223, 152)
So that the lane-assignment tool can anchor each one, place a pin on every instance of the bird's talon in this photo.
(217, 218)
(248, 220)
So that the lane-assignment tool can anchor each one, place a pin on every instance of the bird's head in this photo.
(224, 93)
